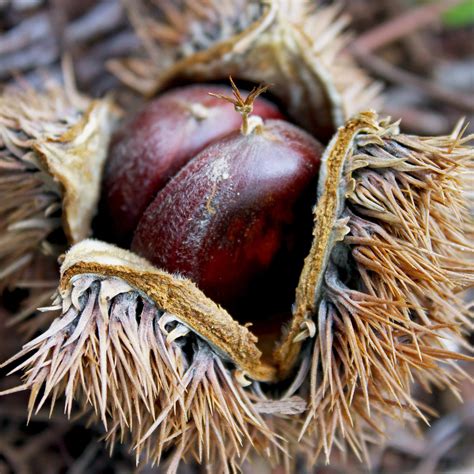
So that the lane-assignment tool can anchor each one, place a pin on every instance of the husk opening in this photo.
(380, 294)
(173, 294)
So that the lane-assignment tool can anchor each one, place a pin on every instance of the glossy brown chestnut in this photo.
(238, 214)
(155, 143)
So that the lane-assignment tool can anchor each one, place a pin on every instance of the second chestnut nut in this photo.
(224, 198)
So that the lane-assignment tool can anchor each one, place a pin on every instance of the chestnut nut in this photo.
(230, 209)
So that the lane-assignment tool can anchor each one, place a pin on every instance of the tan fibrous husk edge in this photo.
(53, 145)
(383, 288)
(294, 45)
(124, 346)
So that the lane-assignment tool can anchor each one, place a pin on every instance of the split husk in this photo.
(294, 45)
(378, 299)
(53, 145)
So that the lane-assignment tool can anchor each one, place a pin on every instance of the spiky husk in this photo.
(379, 307)
(150, 379)
(52, 147)
(30, 199)
(53, 144)
(390, 310)
(292, 44)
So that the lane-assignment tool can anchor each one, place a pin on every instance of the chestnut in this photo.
(156, 142)
(237, 218)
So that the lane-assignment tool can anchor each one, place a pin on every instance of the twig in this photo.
(402, 25)
(394, 74)
(27, 32)
(416, 43)
(430, 462)
(101, 19)
(39, 442)
(35, 44)
(84, 461)
(14, 458)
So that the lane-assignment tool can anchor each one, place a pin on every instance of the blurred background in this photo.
(423, 53)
